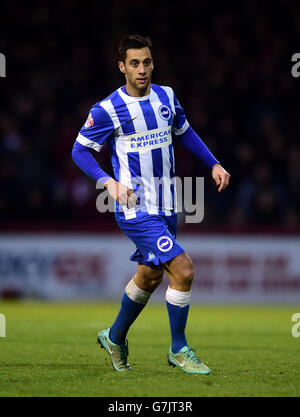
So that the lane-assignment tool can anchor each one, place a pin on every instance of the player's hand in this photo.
(122, 194)
(221, 177)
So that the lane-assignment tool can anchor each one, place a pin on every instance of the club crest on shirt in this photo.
(164, 112)
(89, 121)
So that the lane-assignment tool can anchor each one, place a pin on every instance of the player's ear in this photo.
(121, 66)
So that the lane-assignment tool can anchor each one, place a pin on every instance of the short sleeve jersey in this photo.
(138, 131)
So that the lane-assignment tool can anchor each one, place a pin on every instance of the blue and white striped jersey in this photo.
(138, 131)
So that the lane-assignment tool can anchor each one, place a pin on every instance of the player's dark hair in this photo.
(133, 42)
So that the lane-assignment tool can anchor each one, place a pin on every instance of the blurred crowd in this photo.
(230, 68)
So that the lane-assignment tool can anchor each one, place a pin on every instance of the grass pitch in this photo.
(50, 350)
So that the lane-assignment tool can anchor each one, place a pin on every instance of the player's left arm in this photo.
(192, 142)
(221, 177)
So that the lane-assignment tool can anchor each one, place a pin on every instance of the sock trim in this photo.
(178, 298)
(136, 294)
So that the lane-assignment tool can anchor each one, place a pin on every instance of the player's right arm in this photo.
(97, 129)
(121, 193)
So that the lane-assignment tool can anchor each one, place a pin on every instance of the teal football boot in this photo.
(186, 360)
(118, 353)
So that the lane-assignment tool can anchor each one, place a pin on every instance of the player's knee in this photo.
(154, 279)
(149, 280)
(186, 274)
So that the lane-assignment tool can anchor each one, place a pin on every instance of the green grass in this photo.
(50, 350)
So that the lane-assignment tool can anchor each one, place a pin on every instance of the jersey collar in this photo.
(123, 93)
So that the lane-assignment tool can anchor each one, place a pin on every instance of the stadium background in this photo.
(230, 67)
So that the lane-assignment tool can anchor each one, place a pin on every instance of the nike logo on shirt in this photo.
(130, 120)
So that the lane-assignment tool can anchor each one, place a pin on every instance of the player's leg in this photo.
(180, 271)
(134, 299)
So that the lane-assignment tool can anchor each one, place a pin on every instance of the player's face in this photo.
(138, 69)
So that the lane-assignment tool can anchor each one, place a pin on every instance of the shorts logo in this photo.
(151, 256)
(164, 112)
(164, 243)
(89, 121)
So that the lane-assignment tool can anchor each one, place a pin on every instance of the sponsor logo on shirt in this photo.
(146, 141)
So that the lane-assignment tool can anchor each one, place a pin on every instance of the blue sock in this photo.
(178, 318)
(128, 313)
